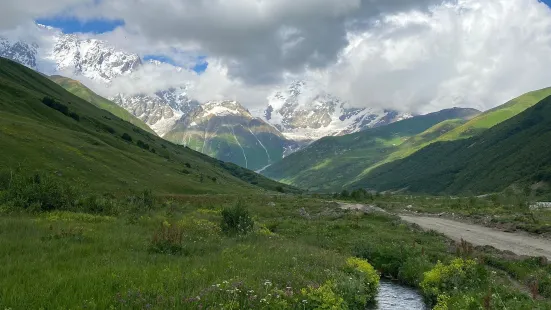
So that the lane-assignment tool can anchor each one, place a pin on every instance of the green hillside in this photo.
(332, 162)
(497, 115)
(238, 137)
(71, 139)
(517, 151)
(77, 88)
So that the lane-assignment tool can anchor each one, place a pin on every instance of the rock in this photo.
(304, 213)
(271, 204)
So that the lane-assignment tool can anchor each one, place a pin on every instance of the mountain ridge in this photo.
(516, 152)
(46, 128)
(331, 162)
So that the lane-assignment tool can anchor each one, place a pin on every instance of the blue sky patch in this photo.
(74, 25)
(200, 66)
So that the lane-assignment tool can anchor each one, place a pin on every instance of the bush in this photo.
(39, 193)
(168, 239)
(412, 270)
(345, 194)
(52, 103)
(323, 297)
(279, 188)
(141, 201)
(74, 116)
(236, 220)
(99, 205)
(367, 274)
(351, 290)
(188, 165)
(111, 130)
(126, 137)
(444, 279)
(143, 145)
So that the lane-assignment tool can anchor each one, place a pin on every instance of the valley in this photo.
(123, 187)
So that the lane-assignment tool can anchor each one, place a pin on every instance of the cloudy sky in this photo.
(410, 55)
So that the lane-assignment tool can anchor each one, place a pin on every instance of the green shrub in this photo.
(544, 285)
(126, 137)
(99, 205)
(143, 145)
(168, 239)
(351, 290)
(52, 103)
(236, 220)
(412, 270)
(445, 279)
(39, 193)
(345, 194)
(74, 116)
(279, 188)
(363, 270)
(322, 297)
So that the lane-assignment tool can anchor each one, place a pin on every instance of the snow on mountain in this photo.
(228, 131)
(91, 58)
(303, 111)
(20, 52)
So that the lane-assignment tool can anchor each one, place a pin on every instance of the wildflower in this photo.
(263, 300)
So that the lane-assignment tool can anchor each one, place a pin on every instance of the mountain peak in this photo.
(92, 58)
(304, 111)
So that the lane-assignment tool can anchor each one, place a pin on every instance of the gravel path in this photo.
(518, 243)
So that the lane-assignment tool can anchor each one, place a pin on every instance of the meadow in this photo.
(258, 251)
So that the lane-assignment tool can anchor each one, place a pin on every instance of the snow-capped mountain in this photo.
(305, 112)
(19, 51)
(160, 110)
(91, 58)
(96, 60)
(228, 131)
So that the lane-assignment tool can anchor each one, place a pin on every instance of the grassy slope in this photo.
(515, 151)
(36, 137)
(331, 162)
(259, 145)
(77, 88)
(497, 115)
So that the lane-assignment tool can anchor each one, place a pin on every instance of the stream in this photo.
(393, 296)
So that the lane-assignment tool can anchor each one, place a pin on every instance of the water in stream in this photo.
(396, 297)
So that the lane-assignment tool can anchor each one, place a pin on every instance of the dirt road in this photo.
(518, 243)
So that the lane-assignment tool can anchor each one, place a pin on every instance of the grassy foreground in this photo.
(246, 252)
